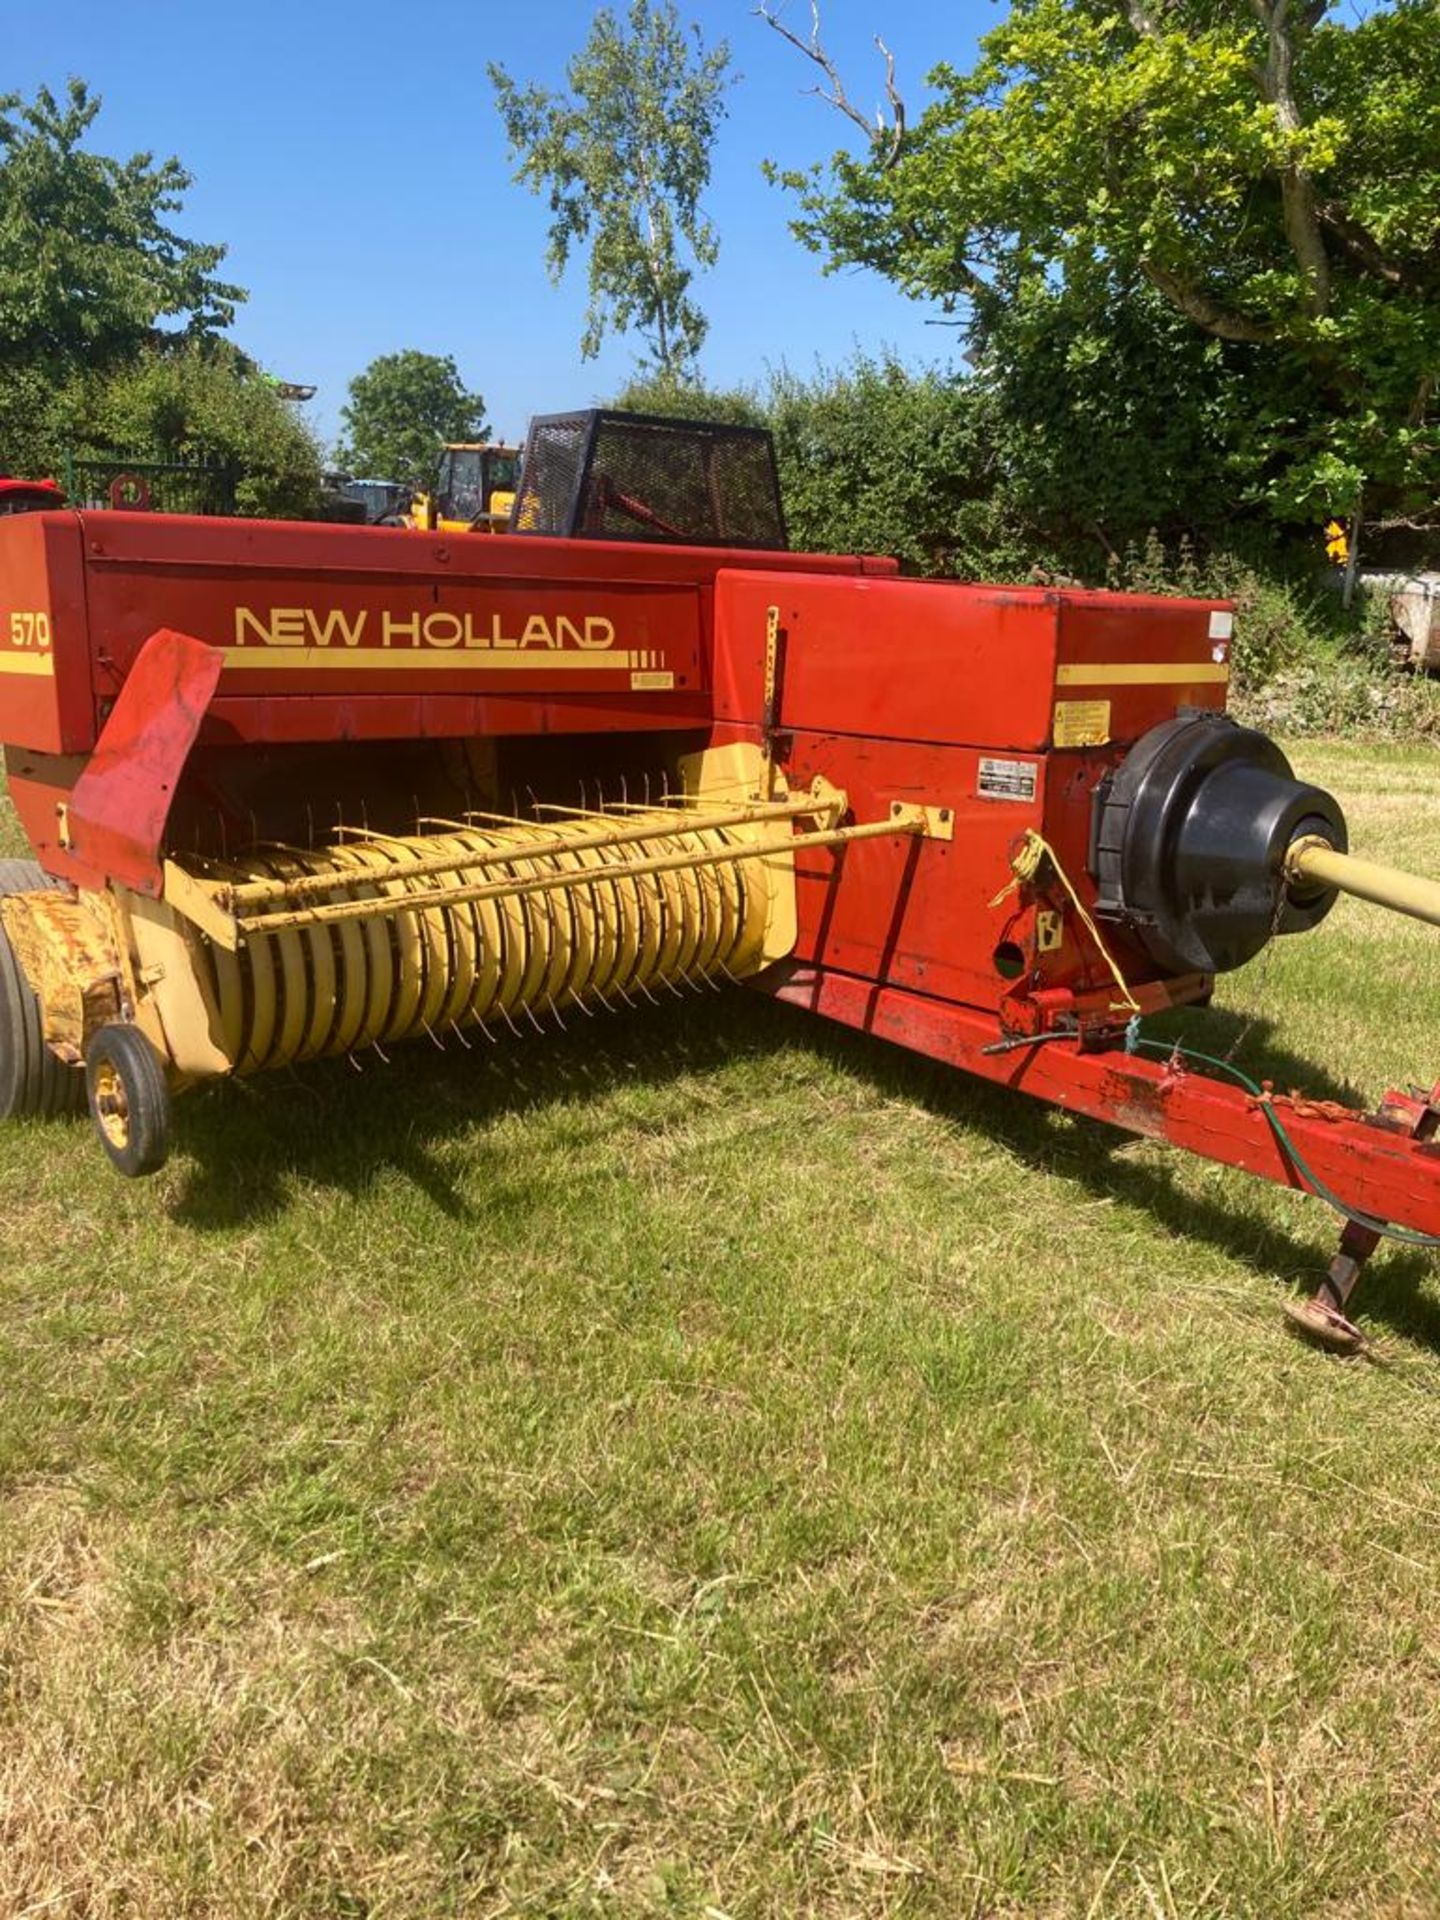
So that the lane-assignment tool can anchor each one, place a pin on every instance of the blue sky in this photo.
(351, 157)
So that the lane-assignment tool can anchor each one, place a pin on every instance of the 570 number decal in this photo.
(29, 629)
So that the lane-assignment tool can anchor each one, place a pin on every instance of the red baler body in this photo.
(324, 648)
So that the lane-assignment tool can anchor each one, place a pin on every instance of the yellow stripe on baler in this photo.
(1142, 673)
(264, 659)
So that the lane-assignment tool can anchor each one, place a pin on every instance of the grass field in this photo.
(709, 1465)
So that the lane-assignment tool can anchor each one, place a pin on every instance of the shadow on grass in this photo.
(1095, 1155)
(345, 1129)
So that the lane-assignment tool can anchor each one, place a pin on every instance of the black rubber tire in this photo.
(33, 1081)
(140, 1142)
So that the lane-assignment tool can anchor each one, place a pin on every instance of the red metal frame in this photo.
(1378, 1168)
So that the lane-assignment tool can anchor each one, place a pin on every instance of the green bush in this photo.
(206, 403)
(1332, 695)
(678, 399)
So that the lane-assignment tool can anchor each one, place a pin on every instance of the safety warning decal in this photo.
(1082, 723)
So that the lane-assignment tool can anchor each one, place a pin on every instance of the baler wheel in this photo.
(33, 1080)
(129, 1101)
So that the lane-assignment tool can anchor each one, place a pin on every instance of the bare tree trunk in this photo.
(652, 255)
(1352, 561)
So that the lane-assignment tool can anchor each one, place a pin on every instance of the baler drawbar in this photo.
(272, 778)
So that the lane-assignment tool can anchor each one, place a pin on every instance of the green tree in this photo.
(89, 264)
(1112, 419)
(1264, 173)
(625, 158)
(206, 402)
(35, 406)
(402, 410)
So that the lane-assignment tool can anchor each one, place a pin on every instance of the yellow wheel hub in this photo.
(112, 1109)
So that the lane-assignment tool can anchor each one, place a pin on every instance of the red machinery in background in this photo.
(265, 771)
(29, 496)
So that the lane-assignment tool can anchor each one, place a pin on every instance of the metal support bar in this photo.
(770, 709)
(1323, 1317)
(254, 893)
(1387, 1174)
(905, 821)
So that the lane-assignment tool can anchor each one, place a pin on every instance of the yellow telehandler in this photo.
(475, 490)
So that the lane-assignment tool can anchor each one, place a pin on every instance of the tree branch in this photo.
(814, 50)
(1408, 524)
(897, 104)
(1420, 405)
(1297, 195)
(1204, 311)
(1360, 243)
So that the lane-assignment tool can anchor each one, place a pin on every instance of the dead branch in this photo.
(813, 50)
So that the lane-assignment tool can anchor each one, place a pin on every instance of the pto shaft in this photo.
(1314, 861)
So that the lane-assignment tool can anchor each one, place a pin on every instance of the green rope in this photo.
(1407, 1235)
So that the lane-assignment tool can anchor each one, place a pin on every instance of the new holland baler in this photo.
(296, 791)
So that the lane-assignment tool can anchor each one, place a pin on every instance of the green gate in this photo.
(165, 486)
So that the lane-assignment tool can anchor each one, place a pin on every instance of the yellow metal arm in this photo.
(1316, 861)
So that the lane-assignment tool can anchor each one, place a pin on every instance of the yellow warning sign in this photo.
(1082, 723)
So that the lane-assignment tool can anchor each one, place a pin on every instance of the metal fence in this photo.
(166, 486)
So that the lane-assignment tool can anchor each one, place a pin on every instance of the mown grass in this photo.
(704, 1464)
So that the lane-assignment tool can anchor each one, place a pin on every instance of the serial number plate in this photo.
(1007, 779)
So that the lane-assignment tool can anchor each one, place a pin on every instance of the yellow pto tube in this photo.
(1314, 862)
